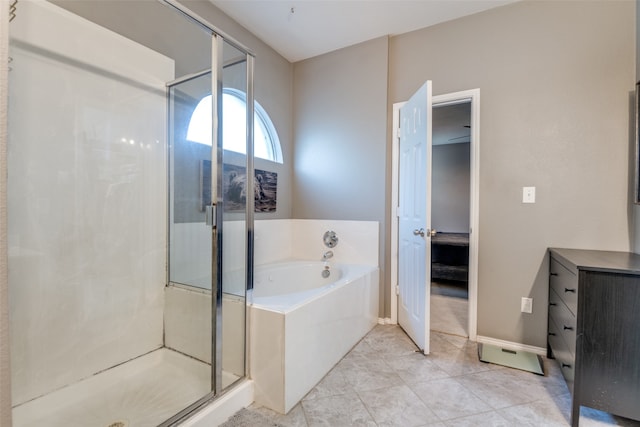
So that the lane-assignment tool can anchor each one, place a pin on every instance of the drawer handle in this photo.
(553, 304)
(553, 274)
(552, 334)
(565, 365)
(568, 328)
(570, 290)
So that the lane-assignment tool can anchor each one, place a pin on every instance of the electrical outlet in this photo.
(526, 306)
(528, 194)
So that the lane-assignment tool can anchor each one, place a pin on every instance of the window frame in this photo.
(273, 148)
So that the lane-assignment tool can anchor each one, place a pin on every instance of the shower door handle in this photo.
(210, 215)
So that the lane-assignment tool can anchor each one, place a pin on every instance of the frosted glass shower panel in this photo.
(86, 197)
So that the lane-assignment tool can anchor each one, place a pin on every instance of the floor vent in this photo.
(118, 424)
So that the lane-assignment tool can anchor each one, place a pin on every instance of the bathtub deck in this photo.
(310, 336)
(142, 392)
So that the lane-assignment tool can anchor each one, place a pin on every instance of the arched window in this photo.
(266, 143)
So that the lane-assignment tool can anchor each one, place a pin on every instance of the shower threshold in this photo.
(143, 392)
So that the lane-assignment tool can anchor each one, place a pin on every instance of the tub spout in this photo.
(327, 255)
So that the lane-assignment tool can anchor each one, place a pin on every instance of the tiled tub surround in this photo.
(284, 239)
(297, 338)
(293, 346)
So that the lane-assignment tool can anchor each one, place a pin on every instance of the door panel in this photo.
(234, 222)
(414, 249)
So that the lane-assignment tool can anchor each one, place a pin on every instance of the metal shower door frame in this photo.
(219, 38)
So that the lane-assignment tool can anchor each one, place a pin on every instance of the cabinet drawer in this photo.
(564, 321)
(561, 352)
(565, 283)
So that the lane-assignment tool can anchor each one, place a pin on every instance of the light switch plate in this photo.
(528, 194)
(526, 305)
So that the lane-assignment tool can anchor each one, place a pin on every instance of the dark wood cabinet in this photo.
(594, 328)
(450, 256)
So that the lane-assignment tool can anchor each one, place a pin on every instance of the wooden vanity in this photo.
(594, 328)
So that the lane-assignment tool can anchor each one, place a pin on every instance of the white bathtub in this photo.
(301, 325)
(285, 285)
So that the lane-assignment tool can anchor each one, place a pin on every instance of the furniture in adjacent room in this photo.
(594, 328)
(450, 256)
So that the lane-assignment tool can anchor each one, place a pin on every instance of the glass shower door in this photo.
(188, 317)
(209, 263)
(235, 202)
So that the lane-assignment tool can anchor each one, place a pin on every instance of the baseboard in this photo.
(385, 321)
(512, 345)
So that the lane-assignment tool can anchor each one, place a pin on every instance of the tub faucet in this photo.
(327, 255)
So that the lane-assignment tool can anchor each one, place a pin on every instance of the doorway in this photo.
(442, 102)
(450, 196)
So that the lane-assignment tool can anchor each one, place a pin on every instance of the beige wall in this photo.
(5, 372)
(450, 189)
(635, 209)
(340, 124)
(555, 79)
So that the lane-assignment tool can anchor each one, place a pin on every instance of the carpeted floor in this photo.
(450, 289)
(450, 308)
(449, 315)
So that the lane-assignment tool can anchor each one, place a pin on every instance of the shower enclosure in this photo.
(128, 261)
(207, 221)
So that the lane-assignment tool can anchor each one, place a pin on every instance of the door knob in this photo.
(417, 232)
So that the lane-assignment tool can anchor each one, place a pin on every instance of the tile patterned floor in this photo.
(384, 382)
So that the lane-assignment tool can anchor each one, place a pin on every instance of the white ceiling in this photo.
(300, 29)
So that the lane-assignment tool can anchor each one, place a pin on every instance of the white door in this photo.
(414, 217)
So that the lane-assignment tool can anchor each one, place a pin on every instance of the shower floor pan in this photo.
(142, 392)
